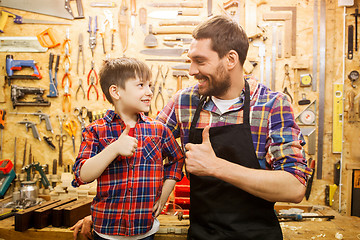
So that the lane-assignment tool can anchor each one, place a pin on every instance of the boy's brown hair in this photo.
(225, 35)
(118, 70)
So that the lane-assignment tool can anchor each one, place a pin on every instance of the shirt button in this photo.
(132, 166)
(221, 118)
(130, 189)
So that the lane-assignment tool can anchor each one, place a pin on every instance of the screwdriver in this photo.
(2, 126)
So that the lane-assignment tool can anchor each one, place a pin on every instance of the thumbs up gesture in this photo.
(126, 145)
(200, 158)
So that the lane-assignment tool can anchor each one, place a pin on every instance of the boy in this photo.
(124, 151)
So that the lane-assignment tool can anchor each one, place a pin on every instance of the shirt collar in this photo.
(253, 85)
(110, 115)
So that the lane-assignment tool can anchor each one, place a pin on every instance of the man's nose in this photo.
(193, 70)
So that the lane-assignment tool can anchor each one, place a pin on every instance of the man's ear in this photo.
(114, 92)
(232, 59)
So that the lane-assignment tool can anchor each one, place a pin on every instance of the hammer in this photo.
(179, 75)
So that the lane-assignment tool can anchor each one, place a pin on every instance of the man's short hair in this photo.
(225, 35)
(118, 70)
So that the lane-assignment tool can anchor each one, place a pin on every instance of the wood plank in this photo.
(58, 213)
(24, 219)
(43, 216)
(76, 212)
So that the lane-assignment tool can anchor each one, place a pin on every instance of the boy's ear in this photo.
(114, 92)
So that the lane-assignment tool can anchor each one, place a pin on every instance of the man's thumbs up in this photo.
(206, 135)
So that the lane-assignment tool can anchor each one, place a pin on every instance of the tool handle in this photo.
(142, 16)
(4, 17)
(191, 4)
(96, 27)
(189, 12)
(51, 60)
(133, 7)
(80, 9)
(53, 42)
(173, 30)
(172, 22)
(47, 122)
(89, 29)
(2, 118)
(35, 131)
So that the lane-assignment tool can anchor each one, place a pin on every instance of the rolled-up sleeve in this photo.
(285, 141)
(175, 157)
(88, 149)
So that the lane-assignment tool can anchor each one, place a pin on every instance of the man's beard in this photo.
(218, 85)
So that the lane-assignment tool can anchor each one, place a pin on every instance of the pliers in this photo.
(161, 85)
(66, 98)
(92, 35)
(81, 50)
(287, 82)
(91, 80)
(66, 76)
(78, 89)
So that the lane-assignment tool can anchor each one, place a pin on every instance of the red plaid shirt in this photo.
(129, 186)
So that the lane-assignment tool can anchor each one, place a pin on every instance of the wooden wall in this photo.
(302, 60)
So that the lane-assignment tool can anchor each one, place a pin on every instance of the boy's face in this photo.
(136, 97)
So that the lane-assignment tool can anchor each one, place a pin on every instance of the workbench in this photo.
(172, 228)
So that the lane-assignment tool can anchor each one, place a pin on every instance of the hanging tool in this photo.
(356, 15)
(31, 125)
(182, 39)
(133, 15)
(57, 8)
(307, 117)
(18, 93)
(150, 40)
(287, 82)
(67, 76)
(53, 91)
(153, 85)
(238, 15)
(103, 4)
(123, 25)
(48, 39)
(24, 155)
(337, 118)
(20, 20)
(107, 21)
(161, 86)
(49, 142)
(80, 51)
(173, 30)
(2, 126)
(70, 127)
(304, 101)
(181, 67)
(178, 23)
(353, 76)
(17, 65)
(293, 11)
(7, 175)
(168, 60)
(188, 4)
(322, 69)
(173, 14)
(92, 35)
(21, 44)
(42, 116)
(61, 139)
(92, 81)
(261, 54)
(305, 80)
(81, 114)
(80, 87)
(350, 42)
(142, 19)
(179, 75)
(165, 52)
(209, 8)
(66, 98)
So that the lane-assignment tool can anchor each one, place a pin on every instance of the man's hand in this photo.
(200, 158)
(85, 226)
(126, 145)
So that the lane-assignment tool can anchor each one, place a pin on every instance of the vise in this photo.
(16, 65)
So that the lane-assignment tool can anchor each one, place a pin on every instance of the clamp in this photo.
(92, 35)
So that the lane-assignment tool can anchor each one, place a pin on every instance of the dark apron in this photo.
(219, 210)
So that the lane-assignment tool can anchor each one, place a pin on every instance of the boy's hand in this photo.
(158, 207)
(126, 144)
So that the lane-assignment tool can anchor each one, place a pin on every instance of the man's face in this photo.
(208, 69)
(136, 96)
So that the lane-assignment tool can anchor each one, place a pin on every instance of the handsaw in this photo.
(56, 8)
(123, 25)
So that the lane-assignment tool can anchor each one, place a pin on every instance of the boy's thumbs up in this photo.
(127, 129)
(206, 135)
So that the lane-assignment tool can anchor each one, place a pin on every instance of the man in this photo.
(243, 148)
